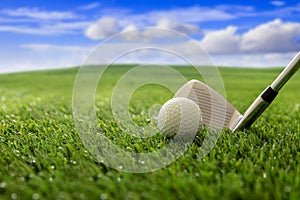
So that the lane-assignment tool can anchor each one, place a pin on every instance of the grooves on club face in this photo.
(217, 112)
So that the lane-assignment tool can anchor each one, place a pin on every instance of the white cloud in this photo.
(274, 36)
(37, 22)
(76, 25)
(187, 15)
(269, 44)
(254, 60)
(181, 27)
(57, 28)
(89, 6)
(50, 47)
(130, 33)
(47, 56)
(271, 37)
(36, 13)
(194, 14)
(191, 14)
(42, 56)
(31, 30)
(102, 29)
(7, 20)
(106, 27)
(222, 41)
(283, 11)
(277, 3)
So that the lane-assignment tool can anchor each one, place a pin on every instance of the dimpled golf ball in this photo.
(181, 116)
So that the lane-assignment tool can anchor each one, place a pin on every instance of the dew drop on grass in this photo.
(287, 189)
(82, 196)
(61, 195)
(265, 175)
(3, 185)
(35, 196)
(103, 196)
(273, 146)
(21, 179)
(14, 196)
(21, 188)
(99, 175)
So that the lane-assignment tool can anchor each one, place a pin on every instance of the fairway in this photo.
(42, 156)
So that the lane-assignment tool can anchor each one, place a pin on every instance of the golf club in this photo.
(218, 113)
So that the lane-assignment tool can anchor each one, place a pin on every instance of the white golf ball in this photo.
(181, 116)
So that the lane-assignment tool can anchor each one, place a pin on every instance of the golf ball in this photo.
(181, 116)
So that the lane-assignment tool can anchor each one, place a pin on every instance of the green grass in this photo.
(42, 155)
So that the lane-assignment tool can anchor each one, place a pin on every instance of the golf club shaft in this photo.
(286, 74)
(267, 96)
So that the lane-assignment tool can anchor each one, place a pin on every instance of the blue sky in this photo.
(49, 34)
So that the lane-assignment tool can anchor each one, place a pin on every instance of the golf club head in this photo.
(217, 112)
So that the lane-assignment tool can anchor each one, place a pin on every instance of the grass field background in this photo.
(42, 156)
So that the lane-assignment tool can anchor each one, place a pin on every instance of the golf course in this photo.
(42, 155)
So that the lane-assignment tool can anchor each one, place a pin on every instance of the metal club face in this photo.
(217, 112)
